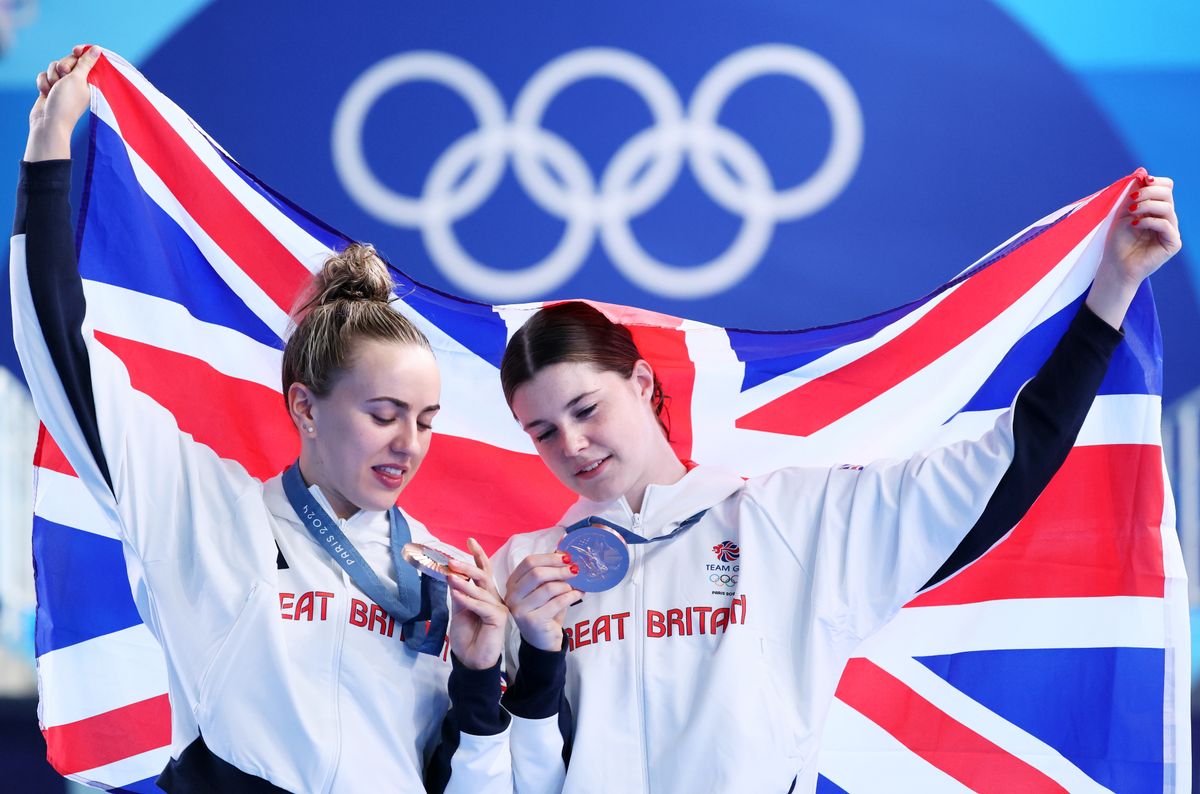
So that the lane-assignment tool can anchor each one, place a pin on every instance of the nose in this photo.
(406, 438)
(574, 441)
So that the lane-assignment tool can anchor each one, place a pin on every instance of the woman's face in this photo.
(593, 429)
(371, 432)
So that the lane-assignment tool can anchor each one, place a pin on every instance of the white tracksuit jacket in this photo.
(274, 657)
(699, 673)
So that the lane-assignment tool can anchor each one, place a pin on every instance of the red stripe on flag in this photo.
(109, 737)
(48, 455)
(822, 401)
(257, 434)
(1095, 531)
(466, 488)
(933, 735)
(225, 219)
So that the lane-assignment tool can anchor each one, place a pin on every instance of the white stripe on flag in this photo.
(168, 325)
(96, 676)
(65, 500)
(127, 770)
(850, 739)
(1020, 623)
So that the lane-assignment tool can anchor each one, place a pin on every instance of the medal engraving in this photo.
(428, 560)
(601, 554)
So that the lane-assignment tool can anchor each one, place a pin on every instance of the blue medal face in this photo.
(601, 554)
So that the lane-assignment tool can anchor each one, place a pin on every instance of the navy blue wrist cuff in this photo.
(475, 699)
(538, 688)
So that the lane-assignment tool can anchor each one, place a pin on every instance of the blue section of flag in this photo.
(769, 354)
(82, 588)
(119, 240)
(1128, 373)
(475, 326)
(147, 786)
(1100, 707)
(827, 786)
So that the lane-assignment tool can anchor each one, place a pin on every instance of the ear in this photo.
(301, 404)
(642, 379)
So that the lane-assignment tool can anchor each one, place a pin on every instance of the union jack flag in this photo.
(1059, 661)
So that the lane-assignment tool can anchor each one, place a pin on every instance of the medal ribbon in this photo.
(417, 598)
(632, 537)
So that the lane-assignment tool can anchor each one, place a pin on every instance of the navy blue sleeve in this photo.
(538, 690)
(1047, 417)
(44, 216)
(474, 709)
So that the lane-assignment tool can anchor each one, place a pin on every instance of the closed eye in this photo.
(584, 413)
(545, 434)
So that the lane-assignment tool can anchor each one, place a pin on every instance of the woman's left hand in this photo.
(1144, 235)
(478, 617)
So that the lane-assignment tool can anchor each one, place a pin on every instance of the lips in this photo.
(593, 469)
(390, 476)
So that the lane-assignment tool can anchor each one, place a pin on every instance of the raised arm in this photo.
(157, 484)
(1051, 408)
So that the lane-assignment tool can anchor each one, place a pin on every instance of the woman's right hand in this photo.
(538, 596)
(63, 95)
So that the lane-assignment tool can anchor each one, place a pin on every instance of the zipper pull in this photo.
(637, 522)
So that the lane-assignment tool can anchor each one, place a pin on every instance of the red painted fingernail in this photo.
(566, 557)
(574, 569)
(1149, 179)
(1135, 222)
(1134, 194)
(1133, 207)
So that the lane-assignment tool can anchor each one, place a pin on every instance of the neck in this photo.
(310, 473)
(664, 469)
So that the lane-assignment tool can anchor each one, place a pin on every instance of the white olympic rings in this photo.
(639, 175)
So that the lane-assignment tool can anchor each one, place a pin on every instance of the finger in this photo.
(489, 613)
(1153, 193)
(1156, 208)
(88, 59)
(79, 49)
(538, 598)
(538, 560)
(472, 589)
(557, 607)
(43, 85)
(51, 73)
(1168, 233)
(1165, 181)
(539, 576)
(65, 64)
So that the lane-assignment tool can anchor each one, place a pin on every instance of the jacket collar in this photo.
(664, 507)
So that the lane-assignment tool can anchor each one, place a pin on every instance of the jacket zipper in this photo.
(639, 649)
(339, 642)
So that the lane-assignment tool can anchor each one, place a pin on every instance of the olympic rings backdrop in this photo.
(765, 164)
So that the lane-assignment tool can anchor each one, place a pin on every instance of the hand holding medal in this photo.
(477, 614)
(538, 594)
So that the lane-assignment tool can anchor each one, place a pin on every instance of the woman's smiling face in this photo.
(372, 430)
(590, 427)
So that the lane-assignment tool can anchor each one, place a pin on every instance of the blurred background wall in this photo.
(871, 151)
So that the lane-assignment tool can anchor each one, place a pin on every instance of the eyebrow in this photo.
(567, 407)
(403, 406)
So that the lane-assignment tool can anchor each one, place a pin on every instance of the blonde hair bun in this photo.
(355, 273)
